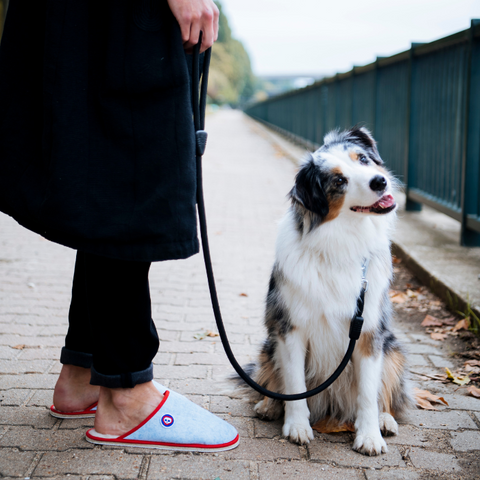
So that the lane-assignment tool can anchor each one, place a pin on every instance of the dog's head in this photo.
(344, 176)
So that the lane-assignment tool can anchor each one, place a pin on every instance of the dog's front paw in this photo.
(298, 431)
(268, 409)
(388, 425)
(370, 444)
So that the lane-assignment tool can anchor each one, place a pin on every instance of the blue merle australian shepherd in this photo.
(342, 212)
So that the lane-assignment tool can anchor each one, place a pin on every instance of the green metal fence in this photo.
(423, 107)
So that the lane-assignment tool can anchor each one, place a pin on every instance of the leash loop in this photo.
(201, 140)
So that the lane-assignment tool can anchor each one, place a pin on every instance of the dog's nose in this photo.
(378, 183)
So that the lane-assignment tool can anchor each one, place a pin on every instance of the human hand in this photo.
(194, 16)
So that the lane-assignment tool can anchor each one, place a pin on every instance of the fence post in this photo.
(470, 237)
(410, 206)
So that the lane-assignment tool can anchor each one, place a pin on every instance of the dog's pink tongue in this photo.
(386, 201)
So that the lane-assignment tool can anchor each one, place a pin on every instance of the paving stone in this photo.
(284, 470)
(8, 353)
(442, 420)
(264, 449)
(194, 467)
(196, 386)
(443, 462)
(462, 402)
(13, 397)
(190, 347)
(27, 381)
(243, 425)
(201, 359)
(420, 348)
(478, 416)
(267, 429)
(74, 423)
(41, 398)
(174, 371)
(441, 362)
(231, 406)
(167, 335)
(343, 455)
(415, 436)
(20, 329)
(465, 441)
(414, 360)
(89, 462)
(47, 353)
(23, 366)
(14, 462)
(13, 340)
(28, 438)
(392, 474)
(162, 358)
(35, 416)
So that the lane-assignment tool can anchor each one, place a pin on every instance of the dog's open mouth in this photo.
(384, 205)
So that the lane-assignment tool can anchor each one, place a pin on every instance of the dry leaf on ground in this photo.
(243, 295)
(398, 297)
(458, 379)
(19, 347)
(212, 334)
(462, 325)
(472, 363)
(424, 399)
(332, 425)
(431, 321)
(438, 336)
(474, 391)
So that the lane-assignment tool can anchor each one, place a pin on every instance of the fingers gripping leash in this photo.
(356, 323)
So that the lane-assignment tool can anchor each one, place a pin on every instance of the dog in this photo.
(341, 215)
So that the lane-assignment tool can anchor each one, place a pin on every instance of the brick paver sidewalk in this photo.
(246, 180)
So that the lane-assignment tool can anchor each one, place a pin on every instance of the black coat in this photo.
(96, 133)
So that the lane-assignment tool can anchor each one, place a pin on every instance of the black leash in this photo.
(201, 140)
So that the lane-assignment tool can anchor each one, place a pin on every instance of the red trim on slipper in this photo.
(166, 444)
(83, 412)
(165, 396)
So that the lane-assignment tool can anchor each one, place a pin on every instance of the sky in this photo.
(320, 37)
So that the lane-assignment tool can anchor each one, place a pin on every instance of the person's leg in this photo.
(73, 391)
(125, 341)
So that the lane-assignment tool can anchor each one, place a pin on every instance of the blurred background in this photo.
(267, 47)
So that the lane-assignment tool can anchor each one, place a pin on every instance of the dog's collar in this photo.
(364, 274)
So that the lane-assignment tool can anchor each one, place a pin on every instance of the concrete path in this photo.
(246, 180)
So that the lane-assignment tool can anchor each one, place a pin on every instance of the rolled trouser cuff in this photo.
(124, 380)
(72, 357)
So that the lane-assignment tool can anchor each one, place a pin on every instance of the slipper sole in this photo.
(87, 413)
(98, 439)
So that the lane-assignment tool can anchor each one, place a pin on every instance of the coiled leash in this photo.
(201, 140)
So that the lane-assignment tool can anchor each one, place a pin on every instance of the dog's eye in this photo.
(339, 181)
(363, 159)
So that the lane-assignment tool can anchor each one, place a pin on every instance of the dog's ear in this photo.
(362, 137)
(308, 190)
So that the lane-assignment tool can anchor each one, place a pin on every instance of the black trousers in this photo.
(111, 329)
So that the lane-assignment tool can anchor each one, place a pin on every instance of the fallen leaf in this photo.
(438, 336)
(430, 321)
(200, 336)
(472, 363)
(399, 298)
(332, 425)
(462, 324)
(424, 399)
(243, 295)
(19, 347)
(474, 391)
(212, 334)
(457, 379)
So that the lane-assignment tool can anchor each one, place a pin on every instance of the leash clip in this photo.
(365, 284)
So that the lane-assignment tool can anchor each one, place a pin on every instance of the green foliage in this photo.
(231, 79)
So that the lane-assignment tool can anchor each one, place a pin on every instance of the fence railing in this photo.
(423, 107)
